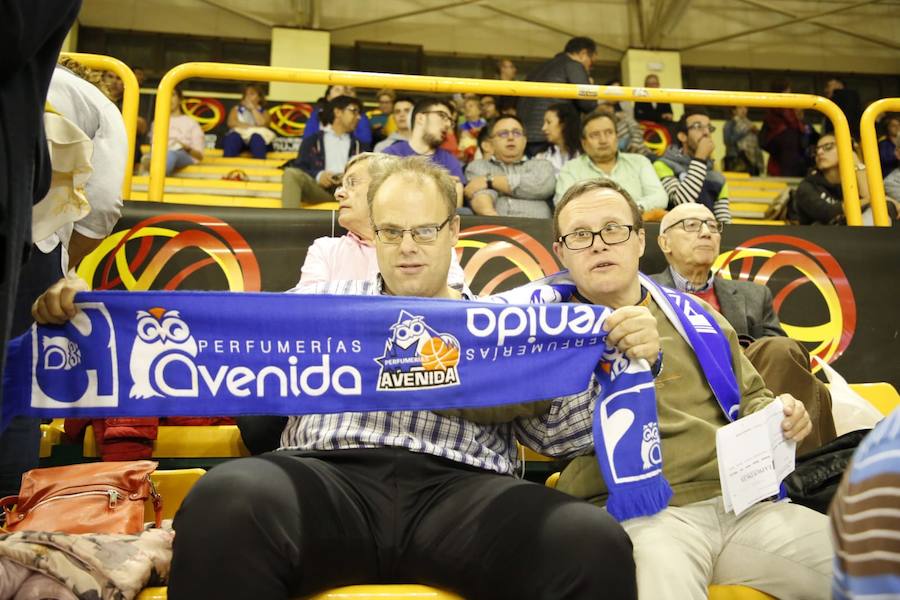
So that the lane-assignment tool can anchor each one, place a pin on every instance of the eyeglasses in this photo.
(701, 126)
(826, 147)
(352, 108)
(611, 234)
(693, 225)
(423, 234)
(351, 183)
(509, 133)
(444, 116)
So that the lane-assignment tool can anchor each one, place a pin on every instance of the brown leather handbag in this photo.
(104, 497)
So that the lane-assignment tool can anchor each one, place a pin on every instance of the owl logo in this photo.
(60, 353)
(651, 452)
(159, 332)
(408, 330)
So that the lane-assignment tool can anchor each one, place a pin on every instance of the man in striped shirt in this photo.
(410, 496)
(865, 518)
(686, 169)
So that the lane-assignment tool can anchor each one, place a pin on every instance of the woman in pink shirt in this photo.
(186, 139)
(352, 256)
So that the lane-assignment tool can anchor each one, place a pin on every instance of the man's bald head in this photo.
(689, 237)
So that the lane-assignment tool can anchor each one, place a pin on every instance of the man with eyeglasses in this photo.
(314, 175)
(690, 239)
(777, 547)
(509, 184)
(686, 169)
(408, 496)
(603, 159)
(432, 121)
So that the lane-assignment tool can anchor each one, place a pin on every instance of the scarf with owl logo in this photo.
(212, 353)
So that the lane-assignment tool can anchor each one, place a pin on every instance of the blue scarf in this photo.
(626, 433)
(208, 353)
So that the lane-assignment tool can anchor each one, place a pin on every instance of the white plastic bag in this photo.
(850, 410)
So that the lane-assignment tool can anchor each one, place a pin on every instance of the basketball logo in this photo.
(439, 353)
(417, 356)
(208, 112)
(289, 118)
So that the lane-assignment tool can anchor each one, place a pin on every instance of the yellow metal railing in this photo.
(869, 141)
(451, 85)
(130, 99)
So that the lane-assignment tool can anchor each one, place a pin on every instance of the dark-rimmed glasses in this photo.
(611, 234)
(423, 234)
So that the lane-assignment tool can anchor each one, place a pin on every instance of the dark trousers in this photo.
(287, 524)
(233, 144)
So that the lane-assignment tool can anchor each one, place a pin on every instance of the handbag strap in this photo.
(157, 501)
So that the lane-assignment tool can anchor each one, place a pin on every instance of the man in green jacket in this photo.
(780, 548)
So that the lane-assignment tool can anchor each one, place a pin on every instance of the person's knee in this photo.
(584, 533)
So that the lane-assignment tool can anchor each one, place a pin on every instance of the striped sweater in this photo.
(865, 519)
(687, 179)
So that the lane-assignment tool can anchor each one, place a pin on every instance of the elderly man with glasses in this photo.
(689, 238)
(686, 169)
(508, 183)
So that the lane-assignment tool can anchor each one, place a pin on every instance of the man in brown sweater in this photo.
(780, 548)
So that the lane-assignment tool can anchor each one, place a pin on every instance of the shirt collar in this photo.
(462, 288)
(499, 163)
(683, 285)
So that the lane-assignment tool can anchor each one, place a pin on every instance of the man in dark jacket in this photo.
(689, 238)
(316, 172)
(31, 34)
(572, 65)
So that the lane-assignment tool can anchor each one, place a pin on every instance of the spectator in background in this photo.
(889, 147)
(820, 198)
(432, 121)
(506, 71)
(603, 160)
(509, 184)
(451, 142)
(629, 131)
(75, 94)
(625, 106)
(572, 65)
(652, 111)
(562, 129)
(687, 170)
(485, 145)
(186, 140)
(848, 101)
(400, 118)
(248, 124)
(363, 131)
(892, 184)
(864, 523)
(742, 152)
(784, 137)
(471, 127)
(489, 107)
(313, 176)
(380, 119)
(114, 88)
(690, 239)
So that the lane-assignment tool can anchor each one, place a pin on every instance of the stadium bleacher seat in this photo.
(201, 441)
(883, 396)
(51, 435)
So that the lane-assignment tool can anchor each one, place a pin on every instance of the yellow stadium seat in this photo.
(51, 434)
(173, 485)
(736, 592)
(172, 441)
(883, 396)
(385, 592)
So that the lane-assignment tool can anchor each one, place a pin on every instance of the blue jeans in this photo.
(177, 159)
(233, 145)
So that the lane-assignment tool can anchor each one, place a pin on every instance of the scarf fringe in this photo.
(639, 500)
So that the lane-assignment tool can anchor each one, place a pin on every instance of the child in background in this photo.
(471, 127)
